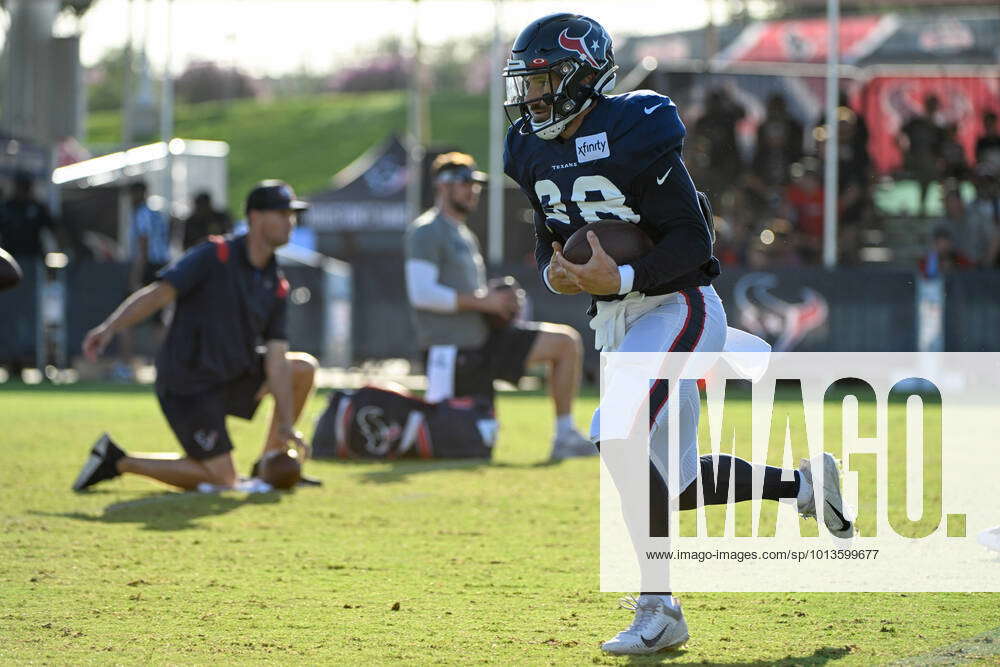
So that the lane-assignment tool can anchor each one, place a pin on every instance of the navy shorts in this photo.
(199, 420)
(502, 357)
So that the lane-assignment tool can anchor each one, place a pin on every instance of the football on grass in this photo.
(623, 241)
(281, 470)
(10, 272)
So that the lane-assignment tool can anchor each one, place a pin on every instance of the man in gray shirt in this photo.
(446, 285)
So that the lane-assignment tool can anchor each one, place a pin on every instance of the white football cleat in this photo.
(572, 444)
(837, 515)
(658, 625)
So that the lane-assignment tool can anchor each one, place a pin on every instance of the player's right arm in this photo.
(190, 271)
(423, 257)
(136, 308)
(547, 248)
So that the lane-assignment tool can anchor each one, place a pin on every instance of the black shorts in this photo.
(502, 357)
(199, 420)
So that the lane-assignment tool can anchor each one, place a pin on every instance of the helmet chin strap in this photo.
(604, 85)
(554, 130)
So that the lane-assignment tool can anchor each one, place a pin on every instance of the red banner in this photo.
(806, 41)
(888, 102)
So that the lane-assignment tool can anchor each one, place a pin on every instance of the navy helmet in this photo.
(563, 62)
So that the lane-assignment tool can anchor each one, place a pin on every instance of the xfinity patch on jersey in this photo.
(592, 147)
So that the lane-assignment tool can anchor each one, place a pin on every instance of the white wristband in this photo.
(626, 274)
(545, 279)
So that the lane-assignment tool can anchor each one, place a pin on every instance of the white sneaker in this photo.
(838, 516)
(658, 624)
(572, 444)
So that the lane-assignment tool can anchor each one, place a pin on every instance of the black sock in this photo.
(717, 492)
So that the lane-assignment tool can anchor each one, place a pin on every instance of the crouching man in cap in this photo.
(226, 348)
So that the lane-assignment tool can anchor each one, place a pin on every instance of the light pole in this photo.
(831, 152)
(495, 223)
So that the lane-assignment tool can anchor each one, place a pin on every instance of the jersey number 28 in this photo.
(593, 198)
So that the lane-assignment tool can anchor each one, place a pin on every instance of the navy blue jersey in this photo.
(623, 163)
(226, 309)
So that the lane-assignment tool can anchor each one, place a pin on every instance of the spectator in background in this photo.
(804, 198)
(714, 157)
(779, 144)
(943, 256)
(859, 135)
(920, 142)
(205, 220)
(859, 140)
(984, 210)
(988, 145)
(149, 239)
(854, 177)
(447, 288)
(149, 252)
(855, 207)
(27, 230)
(970, 236)
(953, 164)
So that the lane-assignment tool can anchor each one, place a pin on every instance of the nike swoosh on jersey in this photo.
(649, 110)
(659, 180)
(845, 524)
(651, 642)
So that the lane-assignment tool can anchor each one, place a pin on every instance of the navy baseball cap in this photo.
(274, 195)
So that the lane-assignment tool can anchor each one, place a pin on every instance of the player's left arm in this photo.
(668, 203)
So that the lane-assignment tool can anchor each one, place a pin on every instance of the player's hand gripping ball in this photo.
(624, 242)
(281, 469)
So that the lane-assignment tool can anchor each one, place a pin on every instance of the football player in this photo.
(226, 348)
(581, 155)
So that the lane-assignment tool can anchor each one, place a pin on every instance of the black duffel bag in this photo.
(377, 423)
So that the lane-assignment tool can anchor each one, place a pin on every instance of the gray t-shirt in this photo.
(453, 248)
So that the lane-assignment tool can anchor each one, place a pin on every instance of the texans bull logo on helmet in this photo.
(579, 44)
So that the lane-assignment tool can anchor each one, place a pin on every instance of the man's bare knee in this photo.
(303, 367)
(556, 342)
(570, 343)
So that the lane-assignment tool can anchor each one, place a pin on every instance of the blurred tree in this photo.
(207, 81)
(294, 84)
(384, 66)
(454, 65)
(105, 81)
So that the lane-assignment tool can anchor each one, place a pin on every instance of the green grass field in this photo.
(414, 562)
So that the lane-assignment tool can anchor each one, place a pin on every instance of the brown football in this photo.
(10, 272)
(281, 470)
(623, 241)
